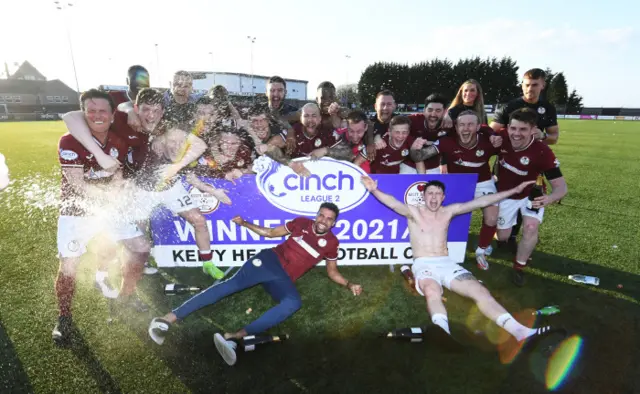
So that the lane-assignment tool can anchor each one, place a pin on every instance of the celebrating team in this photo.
(125, 152)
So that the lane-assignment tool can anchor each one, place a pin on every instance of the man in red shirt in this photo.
(137, 79)
(396, 151)
(310, 241)
(89, 194)
(357, 127)
(310, 135)
(525, 158)
(428, 126)
(469, 153)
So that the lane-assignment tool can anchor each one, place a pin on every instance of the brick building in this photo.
(28, 95)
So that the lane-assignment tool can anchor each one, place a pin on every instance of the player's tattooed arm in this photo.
(78, 128)
(340, 151)
(421, 150)
(276, 154)
(75, 178)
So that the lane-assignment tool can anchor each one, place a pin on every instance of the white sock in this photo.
(441, 320)
(480, 250)
(101, 275)
(513, 327)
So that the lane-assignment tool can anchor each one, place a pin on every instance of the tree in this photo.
(348, 94)
(557, 91)
(574, 103)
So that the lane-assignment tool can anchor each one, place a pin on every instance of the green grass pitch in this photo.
(334, 346)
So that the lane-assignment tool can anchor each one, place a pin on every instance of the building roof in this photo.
(25, 70)
(246, 75)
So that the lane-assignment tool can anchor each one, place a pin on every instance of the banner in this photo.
(619, 117)
(369, 232)
(606, 117)
(572, 116)
(560, 116)
(588, 117)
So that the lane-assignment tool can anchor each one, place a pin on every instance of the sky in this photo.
(596, 44)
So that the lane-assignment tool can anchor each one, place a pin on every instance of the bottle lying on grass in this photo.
(177, 289)
(250, 341)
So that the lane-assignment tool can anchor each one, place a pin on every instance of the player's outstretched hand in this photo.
(523, 186)
(418, 143)
(221, 195)
(290, 144)
(369, 183)
(334, 109)
(232, 175)
(355, 289)
(380, 144)
(238, 220)
(319, 153)
(496, 141)
(300, 169)
(371, 152)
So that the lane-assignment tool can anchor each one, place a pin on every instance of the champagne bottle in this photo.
(408, 275)
(413, 334)
(547, 310)
(176, 289)
(249, 342)
(587, 280)
(535, 192)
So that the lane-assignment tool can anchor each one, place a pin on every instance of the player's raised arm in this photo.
(386, 199)
(268, 232)
(486, 200)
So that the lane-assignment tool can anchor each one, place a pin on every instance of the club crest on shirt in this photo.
(442, 133)
(73, 246)
(114, 152)
(413, 196)
(322, 242)
(240, 163)
(317, 143)
(524, 160)
(541, 110)
(405, 152)
(479, 153)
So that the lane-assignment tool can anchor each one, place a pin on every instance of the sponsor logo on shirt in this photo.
(68, 155)
(133, 137)
(556, 162)
(413, 196)
(330, 181)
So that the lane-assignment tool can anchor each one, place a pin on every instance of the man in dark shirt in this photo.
(385, 110)
(532, 85)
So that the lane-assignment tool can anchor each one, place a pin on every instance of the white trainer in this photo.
(227, 349)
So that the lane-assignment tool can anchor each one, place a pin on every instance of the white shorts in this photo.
(442, 269)
(75, 232)
(434, 171)
(486, 187)
(508, 212)
(405, 169)
(176, 199)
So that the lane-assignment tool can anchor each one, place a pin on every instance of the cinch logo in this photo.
(330, 181)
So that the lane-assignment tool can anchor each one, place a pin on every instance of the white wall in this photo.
(241, 85)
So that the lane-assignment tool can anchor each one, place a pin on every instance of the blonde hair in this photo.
(478, 105)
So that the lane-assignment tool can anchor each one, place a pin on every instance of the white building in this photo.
(240, 84)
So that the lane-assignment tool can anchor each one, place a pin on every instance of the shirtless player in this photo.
(432, 267)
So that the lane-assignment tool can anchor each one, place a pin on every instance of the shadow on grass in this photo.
(13, 377)
(85, 355)
(335, 358)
